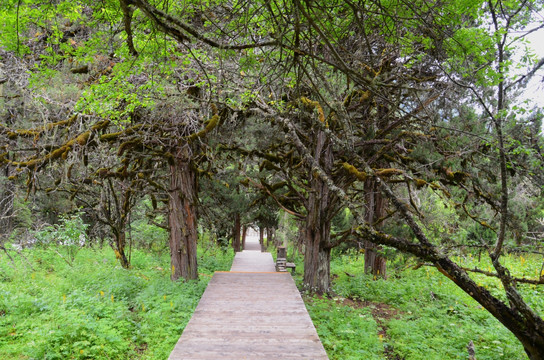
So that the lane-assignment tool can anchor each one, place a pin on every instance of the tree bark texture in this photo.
(6, 202)
(317, 255)
(244, 234)
(6, 208)
(374, 210)
(261, 237)
(236, 233)
(182, 218)
(300, 237)
(318, 224)
(120, 241)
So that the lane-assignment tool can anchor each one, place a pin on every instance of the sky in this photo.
(535, 88)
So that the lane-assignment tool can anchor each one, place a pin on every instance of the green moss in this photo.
(83, 138)
(127, 145)
(22, 133)
(420, 183)
(388, 172)
(361, 175)
(315, 105)
(212, 123)
(27, 133)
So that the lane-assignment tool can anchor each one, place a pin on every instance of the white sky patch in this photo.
(535, 87)
(534, 91)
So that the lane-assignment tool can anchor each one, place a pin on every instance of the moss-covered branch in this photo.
(36, 132)
(314, 105)
(63, 150)
(212, 124)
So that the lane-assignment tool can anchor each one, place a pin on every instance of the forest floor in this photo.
(415, 314)
(94, 309)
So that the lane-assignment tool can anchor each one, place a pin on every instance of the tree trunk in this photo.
(317, 252)
(522, 321)
(513, 312)
(244, 234)
(182, 218)
(375, 209)
(6, 208)
(374, 263)
(300, 237)
(271, 236)
(261, 237)
(533, 349)
(236, 233)
(120, 241)
(316, 238)
(6, 203)
(317, 258)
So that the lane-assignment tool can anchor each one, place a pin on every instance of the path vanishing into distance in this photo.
(251, 312)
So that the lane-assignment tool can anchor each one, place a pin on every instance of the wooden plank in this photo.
(252, 244)
(250, 316)
(253, 261)
(250, 313)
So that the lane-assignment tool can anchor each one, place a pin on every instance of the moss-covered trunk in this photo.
(317, 257)
(7, 196)
(119, 247)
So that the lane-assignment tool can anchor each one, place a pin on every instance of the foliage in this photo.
(68, 236)
(149, 236)
(346, 333)
(95, 309)
(364, 90)
(433, 319)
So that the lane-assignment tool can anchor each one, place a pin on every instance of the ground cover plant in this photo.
(416, 313)
(95, 309)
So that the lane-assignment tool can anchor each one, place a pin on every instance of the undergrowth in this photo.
(95, 309)
(431, 317)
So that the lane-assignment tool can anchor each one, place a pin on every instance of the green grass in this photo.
(344, 331)
(433, 318)
(96, 309)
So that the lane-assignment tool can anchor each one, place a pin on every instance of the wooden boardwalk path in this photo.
(251, 312)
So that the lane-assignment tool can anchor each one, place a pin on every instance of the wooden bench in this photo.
(281, 261)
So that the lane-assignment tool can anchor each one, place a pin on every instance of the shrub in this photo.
(66, 238)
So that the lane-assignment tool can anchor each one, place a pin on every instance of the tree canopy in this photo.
(313, 107)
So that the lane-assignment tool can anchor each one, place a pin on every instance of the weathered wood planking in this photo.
(250, 313)
(250, 316)
(253, 261)
(252, 243)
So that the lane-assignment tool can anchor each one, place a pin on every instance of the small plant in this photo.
(95, 309)
(416, 313)
(149, 236)
(66, 238)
